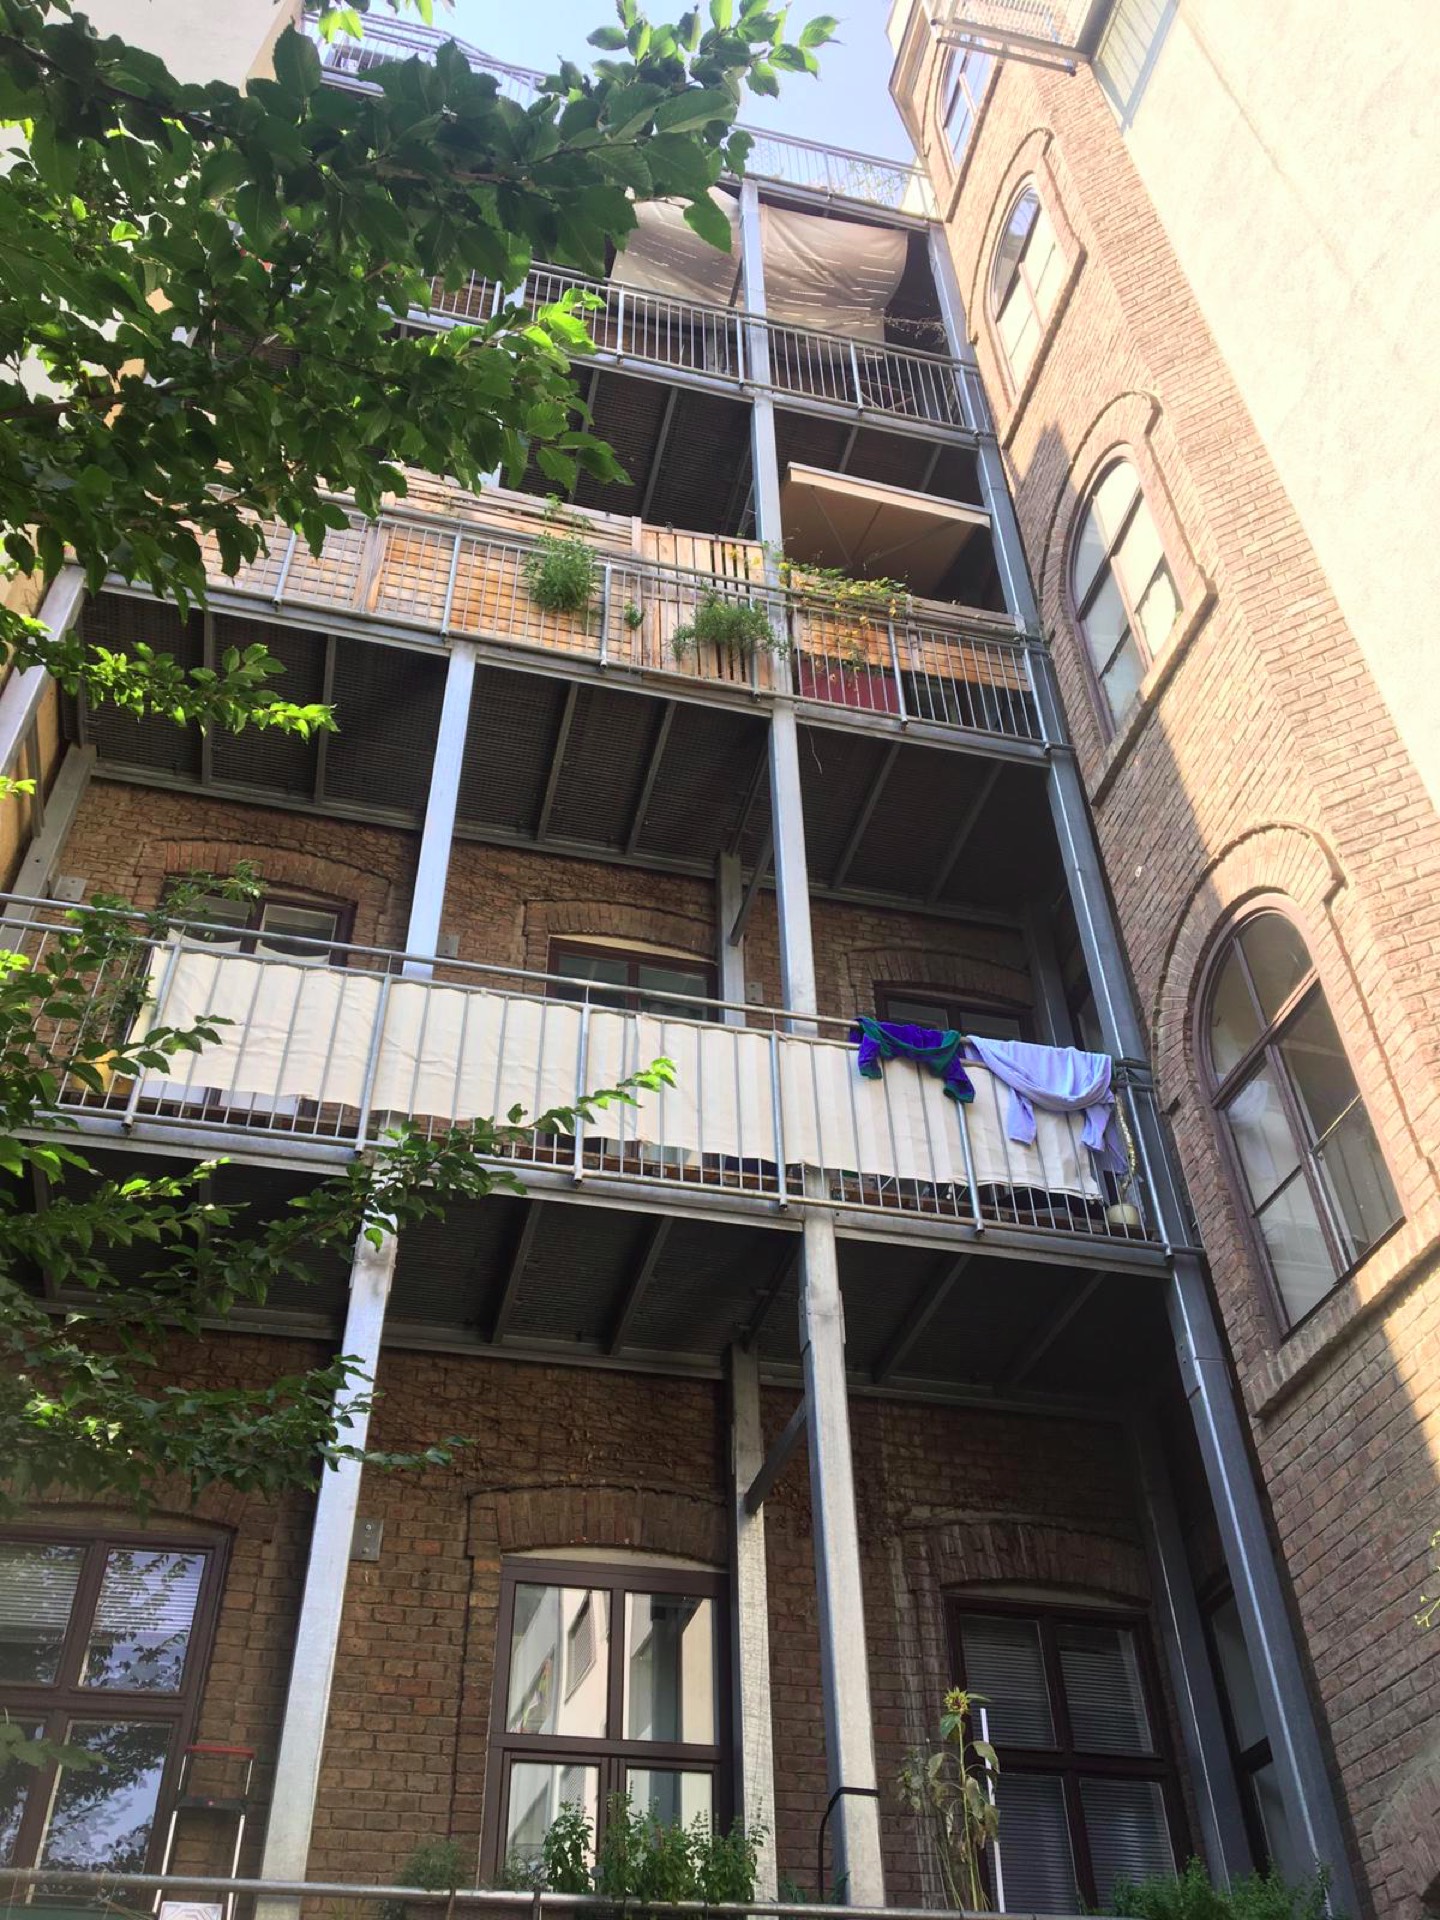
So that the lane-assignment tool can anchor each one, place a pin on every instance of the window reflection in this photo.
(37, 1590)
(669, 1668)
(143, 1618)
(100, 1817)
(672, 1796)
(538, 1790)
(559, 1644)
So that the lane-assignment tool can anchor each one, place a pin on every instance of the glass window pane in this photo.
(1158, 610)
(538, 1790)
(559, 1661)
(1121, 678)
(672, 1796)
(1129, 1838)
(1139, 554)
(1037, 1864)
(299, 924)
(143, 1618)
(1359, 1182)
(1004, 1664)
(37, 1589)
(1319, 1071)
(1113, 498)
(100, 1818)
(1285, 1856)
(1304, 1270)
(904, 1012)
(1016, 327)
(658, 978)
(1238, 1675)
(1012, 244)
(16, 1780)
(1277, 957)
(1234, 1024)
(1106, 621)
(1263, 1135)
(1103, 1689)
(1043, 265)
(600, 967)
(669, 1668)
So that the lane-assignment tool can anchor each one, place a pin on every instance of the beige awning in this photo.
(835, 520)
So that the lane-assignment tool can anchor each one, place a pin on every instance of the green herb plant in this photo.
(1192, 1896)
(440, 1866)
(559, 573)
(640, 1860)
(740, 628)
(949, 1789)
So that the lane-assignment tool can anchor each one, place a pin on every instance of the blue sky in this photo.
(848, 106)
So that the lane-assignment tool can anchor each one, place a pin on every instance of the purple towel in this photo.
(1061, 1080)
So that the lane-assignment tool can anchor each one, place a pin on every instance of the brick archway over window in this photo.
(961, 973)
(640, 1519)
(613, 920)
(281, 869)
(956, 1553)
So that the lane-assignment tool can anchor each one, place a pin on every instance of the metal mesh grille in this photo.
(610, 741)
(697, 796)
(157, 744)
(913, 825)
(514, 720)
(282, 762)
(388, 707)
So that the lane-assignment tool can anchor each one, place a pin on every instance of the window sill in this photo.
(1395, 1264)
(1137, 716)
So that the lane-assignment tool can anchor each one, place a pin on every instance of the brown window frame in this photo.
(1066, 1759)
(612, 1755)
(634, 957)
(1134, 632)
(955, 82)
(954, 1003)
(344, 911)
(1019, 278)
(66, 1699)
(1221, 1091)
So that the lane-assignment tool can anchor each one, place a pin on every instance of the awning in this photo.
(835, 520)
(838, 275)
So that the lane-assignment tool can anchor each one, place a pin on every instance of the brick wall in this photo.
(506, 904)
(1261, 760)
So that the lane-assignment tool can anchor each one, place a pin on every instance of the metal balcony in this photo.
(805, 166)
(324, 1046)
(716, 346)
(925, 664)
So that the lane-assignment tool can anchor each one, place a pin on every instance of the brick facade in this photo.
(1260, 760)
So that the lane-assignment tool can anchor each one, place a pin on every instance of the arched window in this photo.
(1124, 590)
(967, 74)
(1315, 1185)
(1025, 282)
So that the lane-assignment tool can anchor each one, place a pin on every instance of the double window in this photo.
(925, 1007)
(1086, 1789)
(611, 1684)
(1124, 591)
(1025, 282)
(1317, 1190)
(634, 979)
(967, 75)
(270, 925)
(101, 1649)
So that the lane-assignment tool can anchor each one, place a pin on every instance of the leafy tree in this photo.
(199, 289)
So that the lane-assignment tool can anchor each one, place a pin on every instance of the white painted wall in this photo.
(199, 39)
(1292, 150)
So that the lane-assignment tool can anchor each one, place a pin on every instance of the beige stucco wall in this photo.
(1292, 150)
(199, 39)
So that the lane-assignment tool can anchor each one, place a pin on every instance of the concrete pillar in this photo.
(750, 1621)
(1291, 1723)
(317, 1632)
(432, 869)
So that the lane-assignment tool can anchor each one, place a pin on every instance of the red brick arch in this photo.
(967, 1553)
(629, 1518)
(929, 966)
(281, 868)
(613, 919)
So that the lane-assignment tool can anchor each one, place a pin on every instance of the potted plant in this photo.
(739, 628)
(559, 573)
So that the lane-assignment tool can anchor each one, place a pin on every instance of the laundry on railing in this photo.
(882, 1040)
(1059, 1080)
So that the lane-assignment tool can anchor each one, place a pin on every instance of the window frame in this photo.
(612, 1755)
(634, 958)
(1017, 376)
(1221, 1090)
(65, 1700)
(1245, 1762)
(1080, 606)
(955, 1002)
(1065, 1759)
(248, 932)
(952, 85)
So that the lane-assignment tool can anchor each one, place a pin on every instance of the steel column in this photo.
(1202, 1727)
(1291, 1723)
(21, 694)
(792, 879)
(844, 1670)
(317, 1632)
(427, 903)
(750, 1612)
(729, 952)
(765, 458)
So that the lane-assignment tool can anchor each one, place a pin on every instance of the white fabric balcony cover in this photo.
(449, 1053)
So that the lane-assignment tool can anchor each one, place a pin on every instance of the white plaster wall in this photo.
(199, 39)
(1292, 150)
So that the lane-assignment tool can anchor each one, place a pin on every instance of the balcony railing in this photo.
(804, 164)
(324, 1046)
(717, 343)
(922, 664)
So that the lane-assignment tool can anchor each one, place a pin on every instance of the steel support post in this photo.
(844, 1669)
(1192, 1676)
(20, 697)
(730, 953)
(61, 805)
(750, 1620)
(422, 935)
(765, 461)
(1289, 1715)
(792, 880)
(317, 1631)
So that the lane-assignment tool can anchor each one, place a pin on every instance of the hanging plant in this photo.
(856, 605)
(559, 573)
(738, 627)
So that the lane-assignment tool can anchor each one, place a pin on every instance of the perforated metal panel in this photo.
(450, 1272)
(707, 449)
(809, 441)
(514, 721)
(703, 1289)
(156, 745)
(896, 459)
(628, 416)
(280, 762)
(388, 707)
(609, 748)
(837, 772)
(709, 758)
(914, 823)
(583, 1261)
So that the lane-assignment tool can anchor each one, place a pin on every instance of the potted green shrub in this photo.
(559, 573)
(739, 628)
